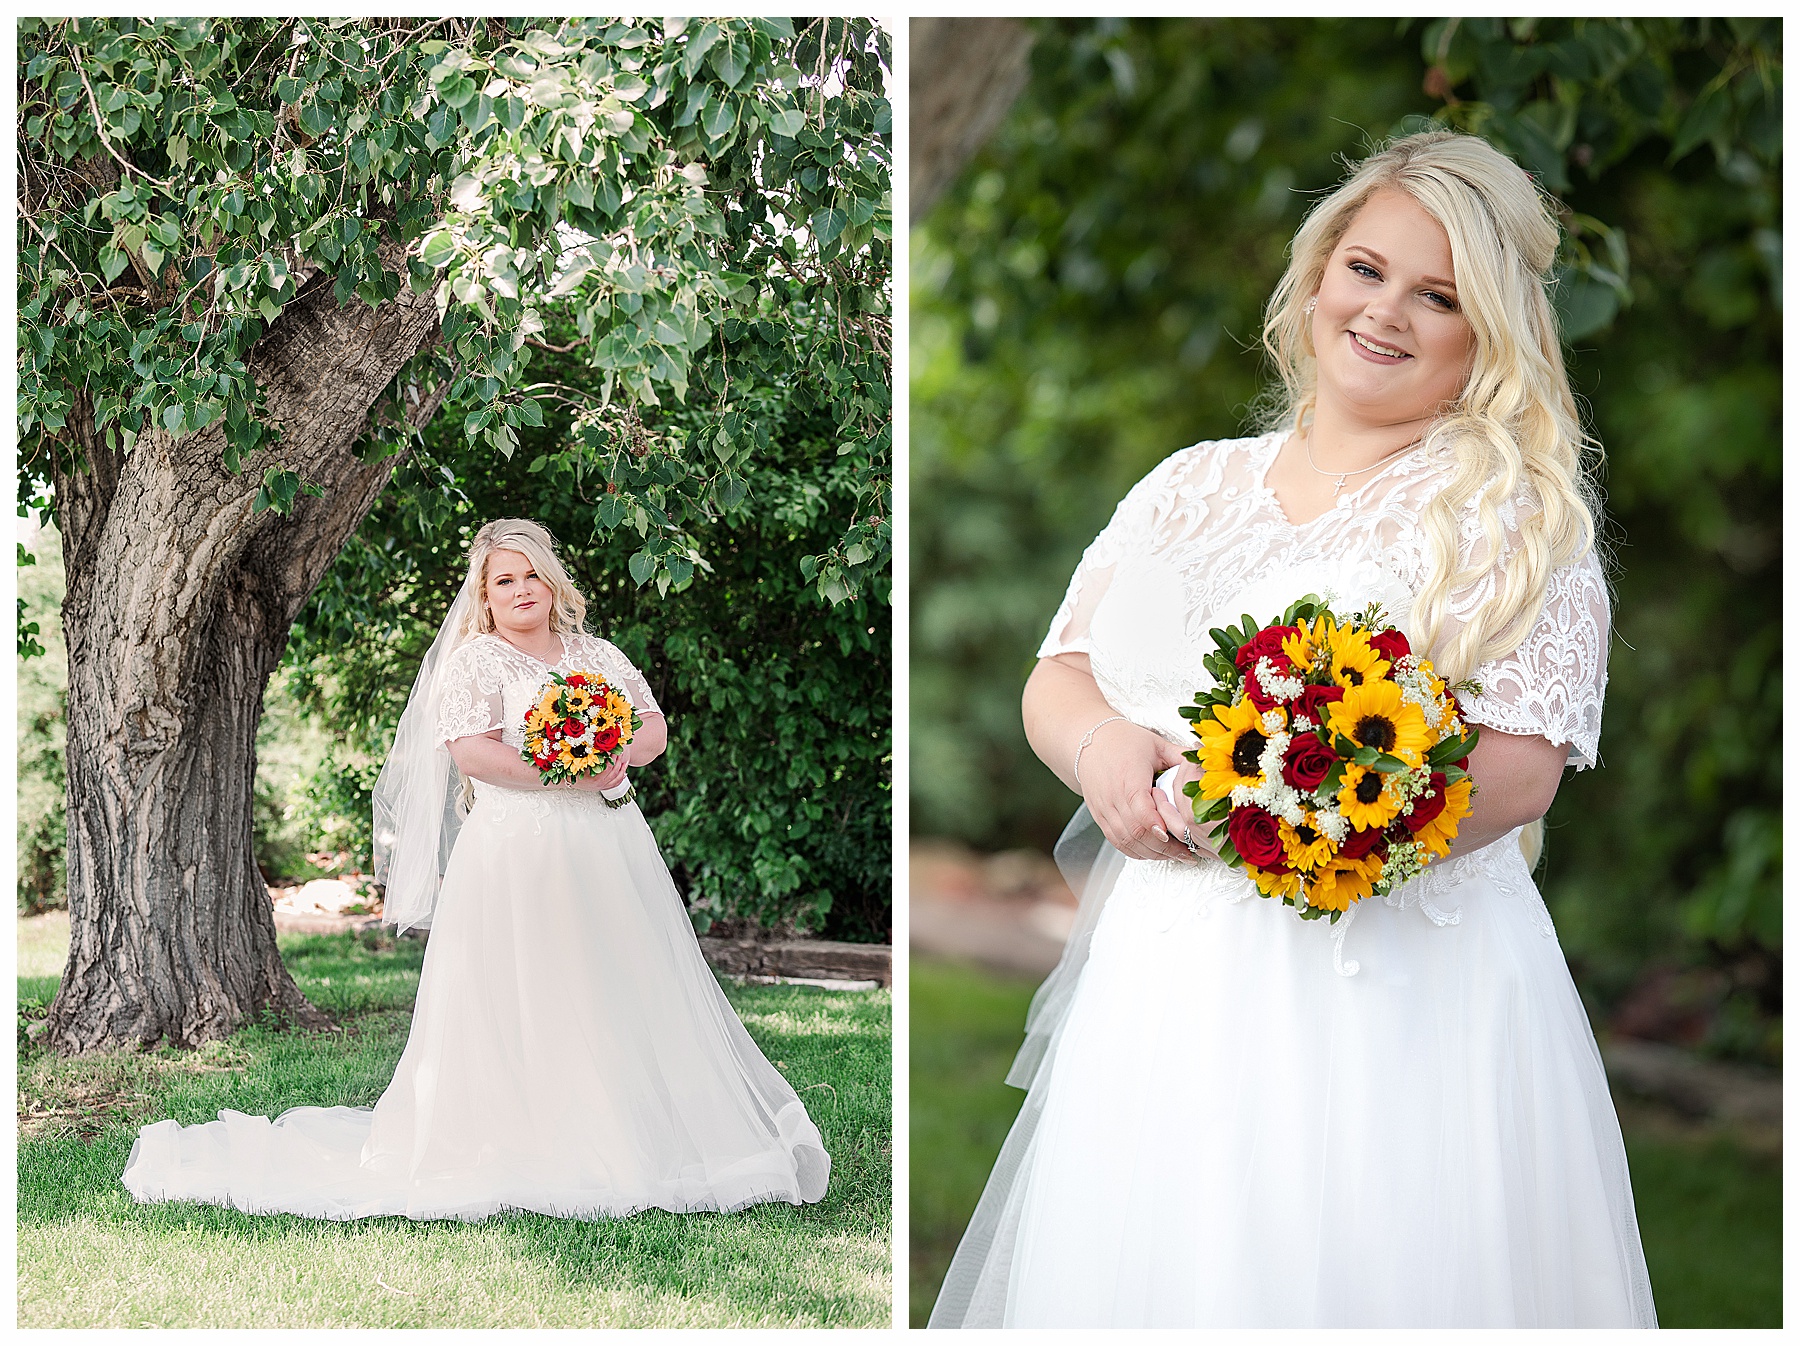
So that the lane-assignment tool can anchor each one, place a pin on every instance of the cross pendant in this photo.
(1338, 490)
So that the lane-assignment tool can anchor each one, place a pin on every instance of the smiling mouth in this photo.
(1379, 349)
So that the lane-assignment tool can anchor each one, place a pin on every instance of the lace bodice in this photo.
(490, 684)
(1202, 540)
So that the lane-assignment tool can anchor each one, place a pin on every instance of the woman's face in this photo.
(517, 598)
(1393, 345)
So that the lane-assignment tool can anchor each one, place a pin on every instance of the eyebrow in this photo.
(1429, 280)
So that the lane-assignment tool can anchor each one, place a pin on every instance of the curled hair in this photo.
(1515, 422)
(568, 609)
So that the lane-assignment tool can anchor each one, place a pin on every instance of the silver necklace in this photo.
(1338, 487)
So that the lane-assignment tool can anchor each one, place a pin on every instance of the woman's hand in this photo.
(1119, 765)
(613, 775)
(1118, 780)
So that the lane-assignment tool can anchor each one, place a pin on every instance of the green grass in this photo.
(89, 1256)
(1709, 1208)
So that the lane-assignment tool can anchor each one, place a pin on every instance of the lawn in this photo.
(89, 1256)
(1709, 1209)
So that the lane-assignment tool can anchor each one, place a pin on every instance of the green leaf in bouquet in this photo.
(1250, 627)
(1387, 764)
(1217, 812)
(1223, 640)
(1334, 780)
(1343, 747)
(1228, 853)
(1365, 755)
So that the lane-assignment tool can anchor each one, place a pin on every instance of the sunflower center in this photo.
(1353, 677)
(1376, 731)
(1247, 753)
(1306, 834)
(1368, 789)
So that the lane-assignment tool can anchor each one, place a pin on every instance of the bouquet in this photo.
(1335, 759)
(578, 725)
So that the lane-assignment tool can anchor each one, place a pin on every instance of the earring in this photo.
(1311, 304)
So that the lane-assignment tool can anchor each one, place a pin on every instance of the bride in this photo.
(1237, 1118)
(570, 1052)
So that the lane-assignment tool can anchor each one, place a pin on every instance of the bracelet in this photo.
(1088, 740)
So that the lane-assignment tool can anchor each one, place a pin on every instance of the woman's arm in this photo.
(1062, 702)
(484, 757)
(1516, 777)
(648, 743)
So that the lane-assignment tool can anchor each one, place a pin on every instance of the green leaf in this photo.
(642, 566)
(787, 122)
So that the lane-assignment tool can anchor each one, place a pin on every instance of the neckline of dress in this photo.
(562, 638)
(1344, 505)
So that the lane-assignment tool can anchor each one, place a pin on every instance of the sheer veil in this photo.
(415, 800)
(974, 1289)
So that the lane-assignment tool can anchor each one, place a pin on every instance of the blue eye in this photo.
(1364, 269)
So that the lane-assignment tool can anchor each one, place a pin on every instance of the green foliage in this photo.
(43, 730)
(1087, 299)
(772, 802)
(693, 195)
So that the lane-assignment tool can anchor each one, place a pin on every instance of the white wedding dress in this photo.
(570, 1052)
(1237, 1118)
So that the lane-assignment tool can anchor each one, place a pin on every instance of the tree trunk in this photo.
(965, 75)
(179, 601)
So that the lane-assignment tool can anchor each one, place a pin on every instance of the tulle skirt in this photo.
(1241, 1123)
(570, 1054)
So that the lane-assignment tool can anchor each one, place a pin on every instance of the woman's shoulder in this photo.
(1202, 468)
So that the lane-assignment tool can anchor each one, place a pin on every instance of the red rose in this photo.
(572, 728)
(1392, 645)
(1360, 843)
(1257, 837)
(1264, 644)
(1314, 699)
(576, 680)
(1307, 762)
(1427, 807)
(606, 740)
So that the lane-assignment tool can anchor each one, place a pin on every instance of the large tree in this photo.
(257, 254)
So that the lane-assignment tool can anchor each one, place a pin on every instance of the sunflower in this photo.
(1376, 715)
(1303, 649)
(1367, 798)
(1353, 660)
(1437, 834)
(1231, 746)
(547, 702)
(1306, 846)
(1343, 881)
(579, 699)
(1272, 884)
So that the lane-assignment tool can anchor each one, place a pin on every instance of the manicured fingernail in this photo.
(1160, 834)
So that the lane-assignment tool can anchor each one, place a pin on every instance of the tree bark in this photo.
(178, 606)
(965, 75)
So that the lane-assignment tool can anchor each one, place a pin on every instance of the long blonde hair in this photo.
(1514, 424)
(568, 609)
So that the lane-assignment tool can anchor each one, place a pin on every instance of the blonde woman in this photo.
(570, 1052)
(1238, 1118)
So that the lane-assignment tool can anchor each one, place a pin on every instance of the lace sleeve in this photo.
(469, 699)
(617, 669)
(1554, 683)
(1070, 630)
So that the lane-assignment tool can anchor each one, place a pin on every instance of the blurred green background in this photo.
(1086, 299)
